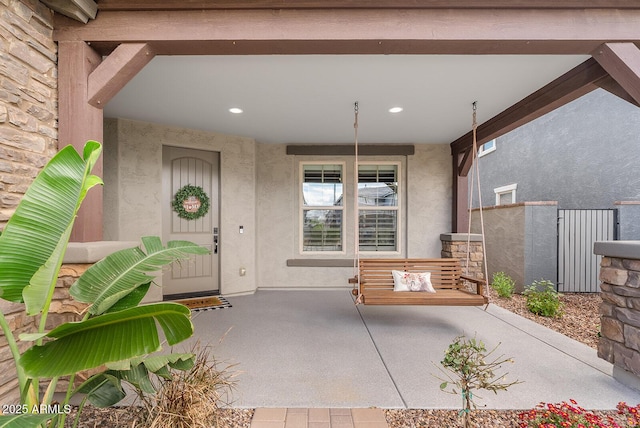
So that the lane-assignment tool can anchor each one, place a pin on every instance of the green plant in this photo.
(503, 284)
(115, 330)
(543, 299)
(547, 415)
(467, 360)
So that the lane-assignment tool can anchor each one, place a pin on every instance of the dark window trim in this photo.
(349, 149)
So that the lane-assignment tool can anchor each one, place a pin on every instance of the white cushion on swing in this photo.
(412, 281)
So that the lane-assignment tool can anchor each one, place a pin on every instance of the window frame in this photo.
(348, 235)
(303, 208)
(510, 188)
(397, 208)
(482, 151)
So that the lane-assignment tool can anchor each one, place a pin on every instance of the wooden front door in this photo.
(198, 276)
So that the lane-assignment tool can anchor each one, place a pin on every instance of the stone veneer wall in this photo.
(28, 137)
(620, 313)
(62, 309)
(28, 98)
(620, 310)
(454, 245)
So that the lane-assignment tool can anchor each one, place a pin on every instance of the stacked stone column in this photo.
(454, 246)
(62, 309)
(620, 313)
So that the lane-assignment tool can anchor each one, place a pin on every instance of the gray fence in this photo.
(578, 267)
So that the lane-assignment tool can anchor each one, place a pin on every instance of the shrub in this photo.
(543, 299)
(547, 415)
(468, 361)
(191, 398)
(117, 335)
(503, 284)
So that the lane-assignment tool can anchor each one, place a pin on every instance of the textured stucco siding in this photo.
(583, 155)
(133, 190)
(260, 190)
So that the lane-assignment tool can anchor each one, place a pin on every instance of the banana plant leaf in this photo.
(132, 299)
(24, 420)
(107, 338)
(102, 390)
(159, 363)
(41, 222)
(138, 376)
(156, 363)
(105, 389)
(117, 275)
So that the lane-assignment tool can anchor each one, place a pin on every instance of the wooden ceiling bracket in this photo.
(116, 70)
(622, 62)
(465, 163)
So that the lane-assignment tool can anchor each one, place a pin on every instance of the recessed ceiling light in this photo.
(235, 110)
(395, 109)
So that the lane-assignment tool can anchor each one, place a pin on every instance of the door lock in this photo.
(215, 240)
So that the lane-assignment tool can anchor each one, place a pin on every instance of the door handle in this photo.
(215, 240)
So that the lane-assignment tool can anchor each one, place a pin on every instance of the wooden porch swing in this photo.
(374, 282)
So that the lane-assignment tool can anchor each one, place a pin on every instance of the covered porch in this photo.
(315, 348)
(98, 59)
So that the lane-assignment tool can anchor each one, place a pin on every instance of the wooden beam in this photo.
(465, 163)
(78, 122)
(409, 4)
(460, 198)
(573, 84)
(342, 31)
(610, 85)
(622, 62)
(116, 71)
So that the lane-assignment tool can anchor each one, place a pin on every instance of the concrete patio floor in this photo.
(316, 349)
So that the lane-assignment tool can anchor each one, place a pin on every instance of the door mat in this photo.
(205, 303)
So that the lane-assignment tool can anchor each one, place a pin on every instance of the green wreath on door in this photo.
(191, 202)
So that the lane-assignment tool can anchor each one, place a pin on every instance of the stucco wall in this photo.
(133, 190)
(505, 240)
(628, 220)
(541, 242)
(521, 241)
(259, 190)
(427, 198)
(583, 155)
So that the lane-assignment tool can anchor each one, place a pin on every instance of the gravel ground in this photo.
(580, 321)
(129, 417)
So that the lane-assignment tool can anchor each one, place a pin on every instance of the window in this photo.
(322, 207)
(486, 148)
(506, 194)
(378, 207)
(323, 202)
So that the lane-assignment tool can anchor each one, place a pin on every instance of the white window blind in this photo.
(378, 207)
(322, 207)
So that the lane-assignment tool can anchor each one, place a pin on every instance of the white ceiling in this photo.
(310, 98)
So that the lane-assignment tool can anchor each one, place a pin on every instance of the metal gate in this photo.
(578, 267)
